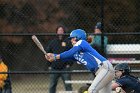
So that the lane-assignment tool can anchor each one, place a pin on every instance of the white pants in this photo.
(103, 79)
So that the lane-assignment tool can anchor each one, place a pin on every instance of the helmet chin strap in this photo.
(77, 39)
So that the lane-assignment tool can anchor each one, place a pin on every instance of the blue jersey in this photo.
(129, 83)
(84, 54)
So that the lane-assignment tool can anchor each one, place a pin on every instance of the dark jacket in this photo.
(57, 46)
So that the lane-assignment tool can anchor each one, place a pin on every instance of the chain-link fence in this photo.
(29, 69)
(19, 19)
(44, 16)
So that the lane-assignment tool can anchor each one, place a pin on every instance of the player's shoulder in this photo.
(127, 79)
(123, 78)
(81, 42)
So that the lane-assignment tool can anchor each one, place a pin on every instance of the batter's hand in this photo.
(50, 57)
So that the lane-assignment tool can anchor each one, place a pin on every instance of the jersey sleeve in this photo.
(70, 53)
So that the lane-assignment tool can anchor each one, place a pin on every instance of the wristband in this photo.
(55, 57)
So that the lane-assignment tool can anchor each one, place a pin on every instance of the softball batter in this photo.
(86, 55)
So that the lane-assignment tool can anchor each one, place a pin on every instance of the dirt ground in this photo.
(39, 83)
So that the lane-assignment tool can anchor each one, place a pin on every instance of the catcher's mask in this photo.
(123, 67)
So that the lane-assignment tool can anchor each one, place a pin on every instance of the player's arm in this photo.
(79, 46)
(115, 85)
(67, 55)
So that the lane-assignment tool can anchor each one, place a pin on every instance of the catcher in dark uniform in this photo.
(127, 82)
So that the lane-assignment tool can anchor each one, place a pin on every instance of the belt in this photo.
(99, 66)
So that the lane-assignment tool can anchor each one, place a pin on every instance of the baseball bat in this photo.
(37, 42)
